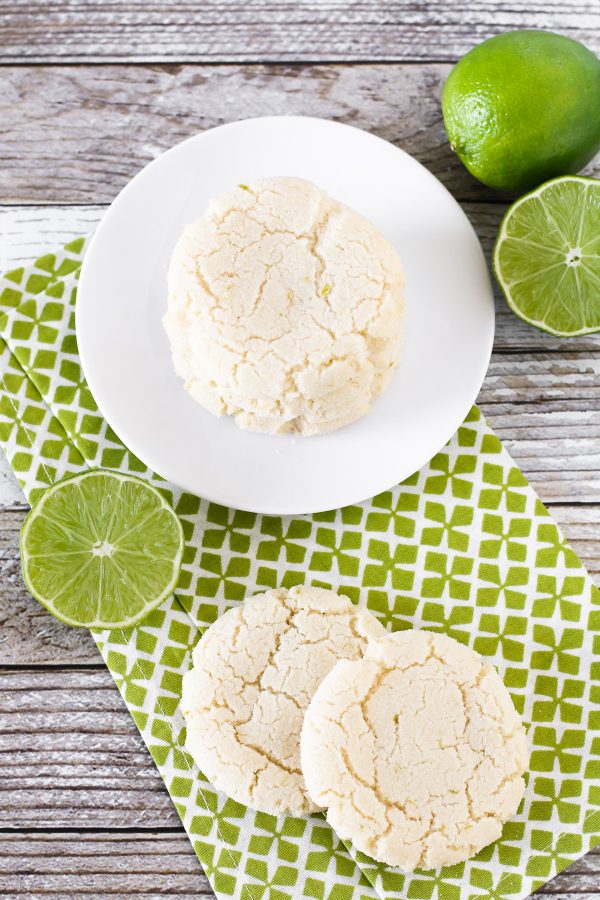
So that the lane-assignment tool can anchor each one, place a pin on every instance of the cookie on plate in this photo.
(285, 308)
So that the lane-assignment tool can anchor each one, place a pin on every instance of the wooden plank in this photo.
(571, 380)
(284, 30)
(10, 491)
(154, 864)
(31, 635)
(82, 865)
(29, 231)
(81, 132)
(558, 451)
(86, 767)
(548, 418)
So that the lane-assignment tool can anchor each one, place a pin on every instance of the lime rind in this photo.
(553, 244)
(116, 574)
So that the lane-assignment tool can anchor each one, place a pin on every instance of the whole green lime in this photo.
(524, 107)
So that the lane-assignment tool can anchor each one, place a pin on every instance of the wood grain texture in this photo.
(85, 866)
(10, 490)
(81, 132)
(29, 231)
(30, 635)
(273, 30)
(71, 755)
(150, 865)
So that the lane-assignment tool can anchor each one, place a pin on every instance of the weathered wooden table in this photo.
(90, 92)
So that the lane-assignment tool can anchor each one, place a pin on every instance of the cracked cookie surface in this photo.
(416, 750)
(284, 309)
(255, 671)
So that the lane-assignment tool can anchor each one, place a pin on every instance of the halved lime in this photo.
(547, 256)
(101, 549)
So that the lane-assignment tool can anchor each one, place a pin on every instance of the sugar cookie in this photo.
(255, 671)
(284, 308)
(416, 750)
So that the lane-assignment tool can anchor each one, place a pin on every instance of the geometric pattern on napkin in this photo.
(463, 546)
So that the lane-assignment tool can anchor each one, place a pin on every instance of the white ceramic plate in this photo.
(125, 352)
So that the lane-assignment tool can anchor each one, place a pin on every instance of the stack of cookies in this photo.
(299, 701)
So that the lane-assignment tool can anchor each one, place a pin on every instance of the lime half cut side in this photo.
(547, 256)
(101, 549)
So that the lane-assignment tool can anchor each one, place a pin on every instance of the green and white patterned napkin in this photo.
(464, 546)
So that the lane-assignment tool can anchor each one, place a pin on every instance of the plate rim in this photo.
(146, 455)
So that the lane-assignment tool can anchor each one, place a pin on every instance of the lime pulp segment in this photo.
(547, 256)
(101, 549)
